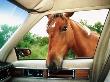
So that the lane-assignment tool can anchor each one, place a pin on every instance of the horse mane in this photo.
(87, 31)
(84, 28)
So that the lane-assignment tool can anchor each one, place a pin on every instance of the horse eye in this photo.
(64, 28)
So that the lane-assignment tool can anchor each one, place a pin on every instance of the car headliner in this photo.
(58, 6)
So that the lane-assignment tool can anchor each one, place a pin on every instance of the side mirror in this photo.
(22, 52)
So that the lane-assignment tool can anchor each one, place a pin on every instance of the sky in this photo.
(12, 15)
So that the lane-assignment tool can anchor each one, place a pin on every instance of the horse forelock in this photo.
(56, 16)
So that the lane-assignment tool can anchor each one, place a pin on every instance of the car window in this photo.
(11, 17)
(37, 39)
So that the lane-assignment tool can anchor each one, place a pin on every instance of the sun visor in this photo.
(34, 5)
(44, 5)
(29, 4)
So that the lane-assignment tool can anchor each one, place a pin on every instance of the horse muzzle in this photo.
(54, 66)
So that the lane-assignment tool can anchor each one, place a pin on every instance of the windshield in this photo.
(37, 38)
(11, 17)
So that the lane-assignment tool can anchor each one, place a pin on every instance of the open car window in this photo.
(11, 17)
(37, 39)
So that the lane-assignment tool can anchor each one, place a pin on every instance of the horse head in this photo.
(60, 39)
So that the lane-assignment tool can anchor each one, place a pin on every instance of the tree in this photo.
(29, 39)
(96, 27)
(5, 32)
(83, 22)
(38, 46)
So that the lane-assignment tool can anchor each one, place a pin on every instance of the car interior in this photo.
(96, 69)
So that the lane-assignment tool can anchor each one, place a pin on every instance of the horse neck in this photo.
(79, 32)
(81, 40)
(80, 29)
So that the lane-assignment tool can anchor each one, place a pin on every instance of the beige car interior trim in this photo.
(101, 52)
(67, 64)
(12, 56)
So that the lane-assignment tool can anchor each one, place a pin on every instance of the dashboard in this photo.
(45, 73)
(37, 69)
(5, 71)
(72, 69)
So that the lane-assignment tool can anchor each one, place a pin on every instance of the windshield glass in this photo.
(37, 40)
(11, 17)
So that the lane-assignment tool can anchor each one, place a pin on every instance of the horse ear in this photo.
(49, 16)
(68, 14)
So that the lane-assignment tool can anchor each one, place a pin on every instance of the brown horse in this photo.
(65, 34)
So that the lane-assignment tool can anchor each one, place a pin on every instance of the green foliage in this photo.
(97, 27)
(5, 32)
(30, 39)
(38, 52)
(70, 55)
(83, 22)
(38, 46)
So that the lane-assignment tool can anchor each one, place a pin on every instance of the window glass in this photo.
(37, 38)
(11, 17)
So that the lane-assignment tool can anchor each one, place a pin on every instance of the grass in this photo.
(38, 52)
